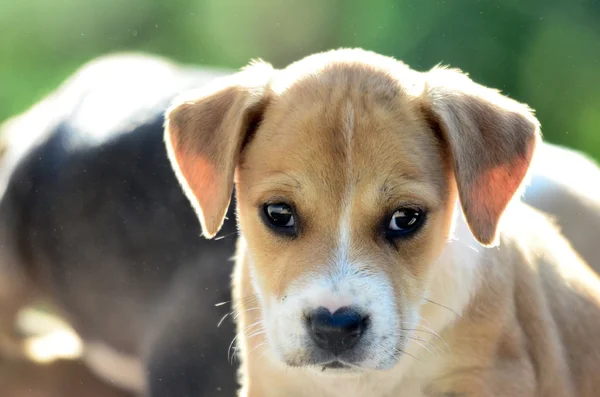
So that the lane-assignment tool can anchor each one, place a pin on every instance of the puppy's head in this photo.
(347, 166)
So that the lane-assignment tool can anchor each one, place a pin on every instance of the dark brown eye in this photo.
(280, 215)
(405, 221)
(280, 218)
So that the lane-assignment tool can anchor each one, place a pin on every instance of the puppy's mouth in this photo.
(335, 365)
(337, 368)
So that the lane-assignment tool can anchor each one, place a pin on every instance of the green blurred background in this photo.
(542, 52)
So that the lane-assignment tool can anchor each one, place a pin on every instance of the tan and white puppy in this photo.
(381, 251)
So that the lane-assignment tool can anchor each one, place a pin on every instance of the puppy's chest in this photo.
(381, 387)
(409, 379)
(410, 389)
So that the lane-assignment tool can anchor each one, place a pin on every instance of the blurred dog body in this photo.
(93, 220)
(566, 185)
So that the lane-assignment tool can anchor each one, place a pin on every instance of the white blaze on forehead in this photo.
(343, 258)
(348, 123)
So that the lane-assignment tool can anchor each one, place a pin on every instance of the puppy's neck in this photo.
(455, 276)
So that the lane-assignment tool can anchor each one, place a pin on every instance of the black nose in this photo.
(336, 332)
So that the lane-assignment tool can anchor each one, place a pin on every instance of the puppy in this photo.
(92, 220)
(383, 251)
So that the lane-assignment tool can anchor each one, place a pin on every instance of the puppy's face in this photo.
(346, 165)
(343, 202)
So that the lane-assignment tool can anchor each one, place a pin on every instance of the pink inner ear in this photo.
(489, 195)
(201, 177)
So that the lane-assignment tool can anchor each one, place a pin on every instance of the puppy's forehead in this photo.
(334, 67)
(347, 123)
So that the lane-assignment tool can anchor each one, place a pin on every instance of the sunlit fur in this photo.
(464, 306)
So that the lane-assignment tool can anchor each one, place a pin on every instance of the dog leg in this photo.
(16, 292)
(14, 295)
(16, 287)
(116, 368)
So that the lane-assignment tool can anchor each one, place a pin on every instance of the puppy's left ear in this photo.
(491, 139)
(204, 134)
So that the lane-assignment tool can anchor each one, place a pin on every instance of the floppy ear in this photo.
(491, 138)
(204, 133)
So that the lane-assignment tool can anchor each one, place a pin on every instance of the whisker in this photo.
(257, 333)
(242, 300)
(464, 244)
(445, 307)
(249, 327)
(223, 319)
(427, 330)
(237, 315)
(257, 346)
(249, 298)
(263, 344)
(417, 341)
(422, 319)
(225, 236)
(229, 350)
(419, 325)
(436, 348)
(408, 354)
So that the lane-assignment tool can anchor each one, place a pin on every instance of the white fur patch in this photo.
(371, 294)
(455, 275)
(342, 260)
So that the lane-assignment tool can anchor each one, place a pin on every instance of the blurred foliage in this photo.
(542, 52)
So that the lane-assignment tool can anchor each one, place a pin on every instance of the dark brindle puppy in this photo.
(93, 220)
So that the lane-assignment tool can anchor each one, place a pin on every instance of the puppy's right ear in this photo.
(204, 133)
